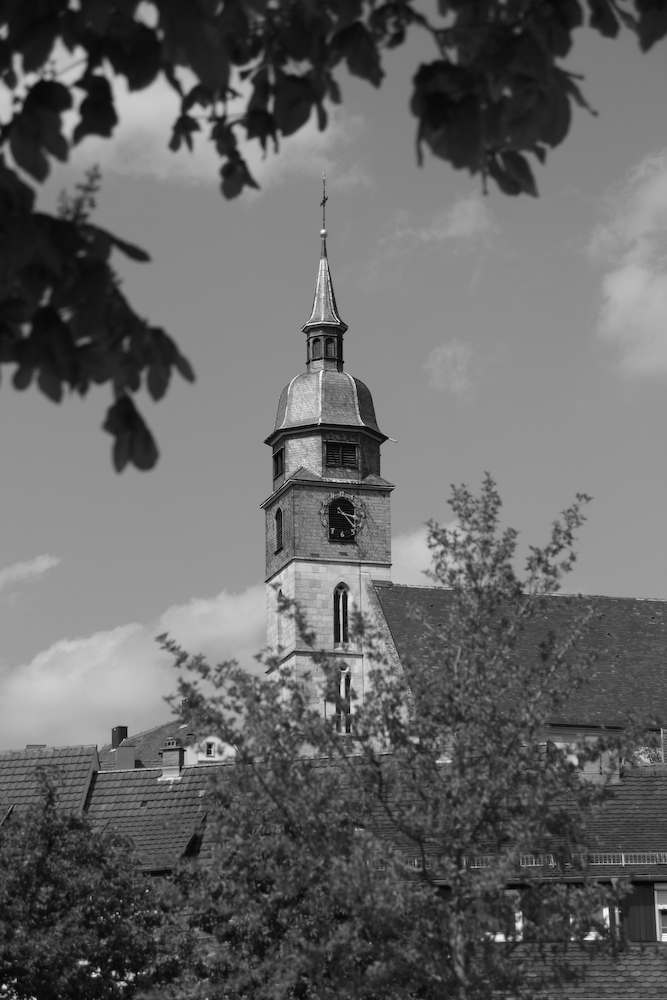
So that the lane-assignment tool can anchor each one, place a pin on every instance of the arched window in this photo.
(340, 625)
(343, 713)
(279, 530)
(330, 348)
(317, 349)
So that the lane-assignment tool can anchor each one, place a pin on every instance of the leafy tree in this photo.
(495, 92)
(380, 864)
(76, 919)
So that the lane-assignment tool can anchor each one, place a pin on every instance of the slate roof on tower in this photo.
(326, 397)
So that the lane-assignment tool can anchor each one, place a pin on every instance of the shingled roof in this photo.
(71, 767)
(148, 744)
(639, 972)
(164, 819)
(628, 636)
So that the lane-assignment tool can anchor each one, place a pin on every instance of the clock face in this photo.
(343, 518)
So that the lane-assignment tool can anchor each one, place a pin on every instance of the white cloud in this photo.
(78, 689)
(139, 146)
(633, 248)
(449, 367)
(410, 557)
(26, 572)
(465, 220)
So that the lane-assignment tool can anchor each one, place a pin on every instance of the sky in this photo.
(523, 337)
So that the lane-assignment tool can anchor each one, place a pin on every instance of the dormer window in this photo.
(344, 455)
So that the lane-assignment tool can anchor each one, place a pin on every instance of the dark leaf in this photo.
(158, 380)
(293, 103)
(142, 55)
(184, 367)
(356, 45)
(24, 145)
(133, 441)
(49, 95)
(198, 95)
(321, 117)
(603, 18)
(22, 377)
(505, 181)
(540, 153)
(129, 249)
(98, 115)
(652, 24)
(37, 42)
(200, 45)
(557, 114)
(223, 136)
(50, 384)
(235, 176)
(517, 167)
(13, 188)
(184, 126)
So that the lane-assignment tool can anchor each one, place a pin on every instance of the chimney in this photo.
(118, 734)
(125, 755)
(172, 759)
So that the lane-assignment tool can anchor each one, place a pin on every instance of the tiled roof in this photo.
(148, 744)
(629, 637)
(639, 972)
(72, 768)
(635, 818)
(161, 817)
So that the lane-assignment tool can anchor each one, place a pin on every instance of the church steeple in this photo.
(324, 329)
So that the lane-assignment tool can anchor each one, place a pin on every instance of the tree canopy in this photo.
(495, 94)
(77, 919)
(387, 863)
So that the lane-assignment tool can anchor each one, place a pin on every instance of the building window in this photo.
(210, 749)
(661, 911)
(340, 625)
(342, 520)
(279, 463)
(341, 454)
(317, 349)
(279, 530)
(330, 348)
(343, 714)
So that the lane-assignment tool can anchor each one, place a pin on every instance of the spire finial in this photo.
(323, 206)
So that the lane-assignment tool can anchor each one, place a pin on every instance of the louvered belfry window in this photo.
(341, 454)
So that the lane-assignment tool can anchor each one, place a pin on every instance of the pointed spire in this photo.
(325, 311)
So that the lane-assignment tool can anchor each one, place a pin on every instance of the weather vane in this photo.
(323, 203)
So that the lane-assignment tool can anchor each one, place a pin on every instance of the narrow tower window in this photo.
(279, 530)
(330, 348)
(341, 634)
(343, 714)
(278, 463)
(317, 349)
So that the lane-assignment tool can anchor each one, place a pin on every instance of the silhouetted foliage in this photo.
(494, 94)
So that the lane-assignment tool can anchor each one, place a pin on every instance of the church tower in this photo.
(328, 516)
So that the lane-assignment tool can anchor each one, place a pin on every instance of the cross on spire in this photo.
(323, 203)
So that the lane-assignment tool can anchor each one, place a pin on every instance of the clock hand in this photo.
(352, 520)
